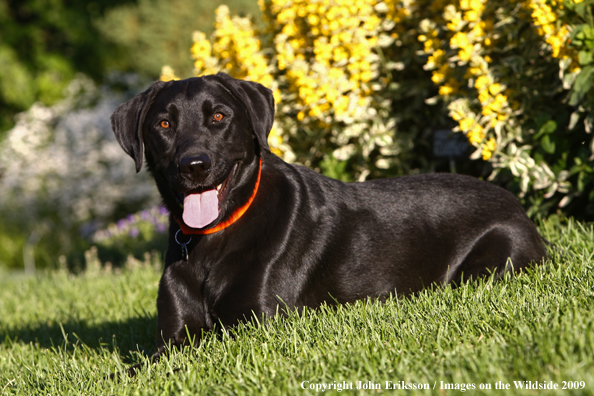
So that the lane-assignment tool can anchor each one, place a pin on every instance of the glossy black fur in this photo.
(306, 239)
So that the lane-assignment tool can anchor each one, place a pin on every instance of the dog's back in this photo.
(371, 238)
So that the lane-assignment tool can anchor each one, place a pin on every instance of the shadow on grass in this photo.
(127, 336)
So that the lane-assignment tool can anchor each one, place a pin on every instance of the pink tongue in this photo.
(201, 209)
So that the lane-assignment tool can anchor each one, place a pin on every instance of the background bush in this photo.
(43, 44)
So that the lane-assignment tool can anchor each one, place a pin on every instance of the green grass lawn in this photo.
(62, 334)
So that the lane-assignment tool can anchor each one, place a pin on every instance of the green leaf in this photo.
(583, 83)
(569, 4)
(583, 34)
(581, 9)
(588, 32)
(548, 127)
(547, 145)
(578, 35)
(581, 184)
(585, 57)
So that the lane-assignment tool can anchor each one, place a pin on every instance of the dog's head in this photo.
(203, 138)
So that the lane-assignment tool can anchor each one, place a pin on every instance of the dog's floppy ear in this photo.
(127, 120)
(258, 103)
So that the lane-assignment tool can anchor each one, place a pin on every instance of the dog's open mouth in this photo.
(203, 207)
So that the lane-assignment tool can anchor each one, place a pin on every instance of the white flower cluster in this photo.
(64, 160)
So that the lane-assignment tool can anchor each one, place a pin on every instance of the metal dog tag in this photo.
(184, 247)
(184, 252)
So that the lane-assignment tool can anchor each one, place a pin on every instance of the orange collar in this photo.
(232, 219)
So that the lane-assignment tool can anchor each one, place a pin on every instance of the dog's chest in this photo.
(232, 286)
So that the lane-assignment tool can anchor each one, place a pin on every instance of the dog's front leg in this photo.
(181, 310)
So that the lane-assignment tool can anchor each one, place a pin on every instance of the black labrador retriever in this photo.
(250, 232)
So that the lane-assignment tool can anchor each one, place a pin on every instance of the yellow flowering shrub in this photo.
(361, 85)
(328, 66)
(503, 69)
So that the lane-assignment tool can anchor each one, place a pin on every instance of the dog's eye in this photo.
(164, 124)
(217, 117)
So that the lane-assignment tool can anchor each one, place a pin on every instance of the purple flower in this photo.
(122, 223)
(157, 217)
(145, 215)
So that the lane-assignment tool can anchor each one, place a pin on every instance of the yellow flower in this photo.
(477, 70)
(290, 29)
(488, 149)
(476, 135)
(275, 140)
(313, 19)
(484, 96)
(471, 16)
(545, 19)
(437, 77)
(476, 5)
(434, 59)
(459, 40)
(428, 45)
(481, 82)
(456, 114)
(465, 53)
(500, 99)
(466, 124)
(486, 154)
(477, 30)
(446, 90)
(167, 74)
(494, 89)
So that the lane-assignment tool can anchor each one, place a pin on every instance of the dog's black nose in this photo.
(195, 168)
